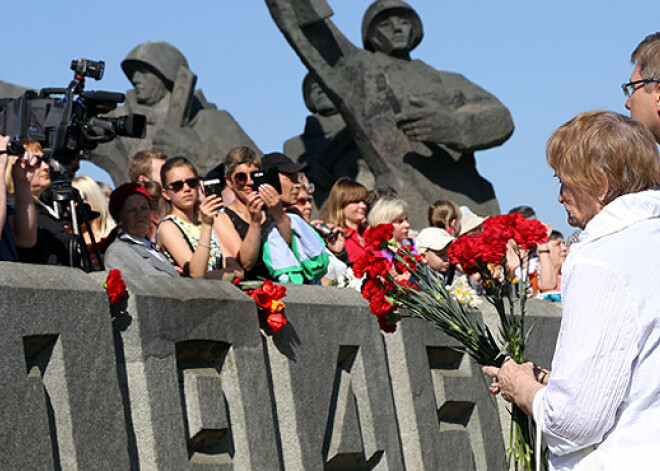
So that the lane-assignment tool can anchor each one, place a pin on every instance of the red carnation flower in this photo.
(115, 287)
(276, 322)
(379, 267)
(463, 252)
(530, 233)
(377, 236)
(379, 304)
(490, 247)
(386, 326)
(361, 264)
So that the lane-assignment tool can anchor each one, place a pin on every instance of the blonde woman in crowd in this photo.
(91, 193)
(391, 211)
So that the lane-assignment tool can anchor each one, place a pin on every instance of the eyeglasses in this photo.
(178, 185)
(630, 87)
(304, 200)
(240, 178)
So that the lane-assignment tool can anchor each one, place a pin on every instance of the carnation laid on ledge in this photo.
(115, 287)
(267, 296)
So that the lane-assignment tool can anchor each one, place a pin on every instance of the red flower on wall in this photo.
(115, 287)
(267, 297)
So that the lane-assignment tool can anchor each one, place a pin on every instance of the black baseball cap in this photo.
(282, 163)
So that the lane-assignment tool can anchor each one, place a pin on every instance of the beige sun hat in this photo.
(469, 220)
(432, 238)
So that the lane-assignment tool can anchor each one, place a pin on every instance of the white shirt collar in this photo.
(623, 212)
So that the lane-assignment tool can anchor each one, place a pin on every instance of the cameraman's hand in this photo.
(272, 200)
(208, 208)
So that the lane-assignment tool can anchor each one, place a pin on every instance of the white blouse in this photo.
(604, 391)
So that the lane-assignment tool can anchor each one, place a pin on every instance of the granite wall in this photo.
(184, 379)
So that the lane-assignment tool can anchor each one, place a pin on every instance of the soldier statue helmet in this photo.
(150, 61)
(380, 10)
(316, 100)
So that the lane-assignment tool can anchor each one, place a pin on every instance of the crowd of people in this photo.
(248, 231)
(599, 407)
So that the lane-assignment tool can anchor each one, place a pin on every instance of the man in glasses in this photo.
(643, 90)
(304, 260)
(289, 173)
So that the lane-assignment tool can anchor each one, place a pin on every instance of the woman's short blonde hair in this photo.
(343, 192)
(603, 147)
(241, 155)
(386, 210)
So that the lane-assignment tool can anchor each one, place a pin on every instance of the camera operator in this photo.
(54, 242)
(19, 226)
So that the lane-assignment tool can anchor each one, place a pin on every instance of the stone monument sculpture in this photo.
(417, 128)
(179, 119)
(326, 145)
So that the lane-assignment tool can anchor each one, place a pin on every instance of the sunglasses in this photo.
(178, 185)
(304, 200)
(240, 178)
(42, 158)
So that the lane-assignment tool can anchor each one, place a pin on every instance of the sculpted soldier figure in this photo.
(417, 128)
(326, 145)
(179, 119)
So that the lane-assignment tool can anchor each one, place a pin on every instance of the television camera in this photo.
(67, 122)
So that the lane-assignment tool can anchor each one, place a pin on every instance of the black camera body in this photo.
(214, 186)
(68, 120)
(266, 177)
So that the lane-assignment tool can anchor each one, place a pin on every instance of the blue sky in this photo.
(546, 61)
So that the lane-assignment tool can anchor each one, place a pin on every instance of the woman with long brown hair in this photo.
(347, 210)
(189, 241)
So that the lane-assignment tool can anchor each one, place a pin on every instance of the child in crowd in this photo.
(446, 215)
(432, 245)
(471, 223)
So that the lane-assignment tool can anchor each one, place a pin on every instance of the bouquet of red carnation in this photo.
(267, 297)
(394, 277)
(115, 287)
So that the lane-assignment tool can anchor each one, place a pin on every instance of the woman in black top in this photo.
(243, 226)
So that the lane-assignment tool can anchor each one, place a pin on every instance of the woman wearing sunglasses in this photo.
(244, 224)
(189, 241)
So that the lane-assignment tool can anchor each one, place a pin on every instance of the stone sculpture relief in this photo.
(326, 145)
(179, 119)
(417, 128)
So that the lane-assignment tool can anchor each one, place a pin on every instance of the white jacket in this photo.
(604, 392)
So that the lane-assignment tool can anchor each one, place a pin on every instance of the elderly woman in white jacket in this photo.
(599, 408)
